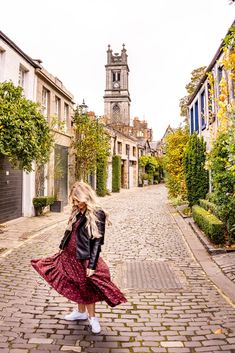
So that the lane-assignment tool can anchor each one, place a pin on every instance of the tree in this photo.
(151, 167)
(25, 135)
(222, 163)
(173, 162)
(196, 176)
(90, 144)
(116, 173)
(196, 76)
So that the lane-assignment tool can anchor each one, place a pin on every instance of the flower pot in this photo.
(38, 211)
(56, 206)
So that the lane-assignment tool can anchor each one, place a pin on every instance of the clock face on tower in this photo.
(116, 85)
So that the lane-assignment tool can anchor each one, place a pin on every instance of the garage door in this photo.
(10, 191)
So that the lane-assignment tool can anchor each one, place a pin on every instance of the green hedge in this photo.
(101, 177)
(116, 173)
(210, 224)
(40, 202)
(209, 206)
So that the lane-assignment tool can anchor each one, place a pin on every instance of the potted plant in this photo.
(40, 202)
(144, 178)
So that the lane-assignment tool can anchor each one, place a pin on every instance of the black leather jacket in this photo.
(87, 248)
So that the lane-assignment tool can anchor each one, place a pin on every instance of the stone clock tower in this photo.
(117, 97)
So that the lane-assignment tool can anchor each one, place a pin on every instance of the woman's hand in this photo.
(89, 272)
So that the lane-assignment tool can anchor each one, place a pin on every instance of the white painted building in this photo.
(19, 68)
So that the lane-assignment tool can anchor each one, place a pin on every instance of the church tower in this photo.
(117, 97)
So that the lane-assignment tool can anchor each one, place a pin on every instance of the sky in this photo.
(165, 41)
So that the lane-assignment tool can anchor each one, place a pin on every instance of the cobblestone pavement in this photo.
(186, 315)
(227, 263)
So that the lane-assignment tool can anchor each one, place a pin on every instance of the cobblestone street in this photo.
(173, 307)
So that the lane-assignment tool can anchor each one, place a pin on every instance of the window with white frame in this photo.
(134, 151)
(219, 77)
(66, 115)
(140, 133)
(45, 101)
(203, 110)
(232, 87)
(57, 106)
(119, 147)
(22, 80)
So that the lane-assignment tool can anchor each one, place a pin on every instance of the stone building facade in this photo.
(117, 97)
(129, 141)
(57, 177)
(125, 147)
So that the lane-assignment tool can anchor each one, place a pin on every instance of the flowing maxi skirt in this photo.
(67, 275)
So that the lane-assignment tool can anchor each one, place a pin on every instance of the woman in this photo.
(77, 271)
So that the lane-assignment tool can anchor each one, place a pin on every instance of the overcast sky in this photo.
(165, 41)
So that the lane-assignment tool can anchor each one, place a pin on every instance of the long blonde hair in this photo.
(83, 192)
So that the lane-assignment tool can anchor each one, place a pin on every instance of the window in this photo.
(66, 115)
(116, 112)
(57, 106)
(116, 76)
(134, 151)
(119, 148)
(196, 116)
(211, 114)
(232, 87)
(22, 80)
(140, 133)
(45, 102)
(127, 149)
(219, 77)
(203, 120)
(191, 121)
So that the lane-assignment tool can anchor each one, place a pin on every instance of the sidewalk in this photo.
(17, 231)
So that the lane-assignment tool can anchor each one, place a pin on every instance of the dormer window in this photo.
(22, 81)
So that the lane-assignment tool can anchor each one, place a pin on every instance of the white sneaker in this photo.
(76, 315)
(95, 325)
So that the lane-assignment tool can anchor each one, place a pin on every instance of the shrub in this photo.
(175, 144)
(209, 206)
(101, 176)
(116, 175)
(196, 176)
(40, 202)
(222, 159)
(210, 224)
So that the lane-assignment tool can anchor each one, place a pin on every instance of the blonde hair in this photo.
(83, 192)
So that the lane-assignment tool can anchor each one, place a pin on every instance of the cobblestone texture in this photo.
(227, 263)
(190, 319)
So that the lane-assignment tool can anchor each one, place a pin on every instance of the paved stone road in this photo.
(191, 318)
(227, 264)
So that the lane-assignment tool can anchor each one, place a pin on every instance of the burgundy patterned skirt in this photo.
(67, 275)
